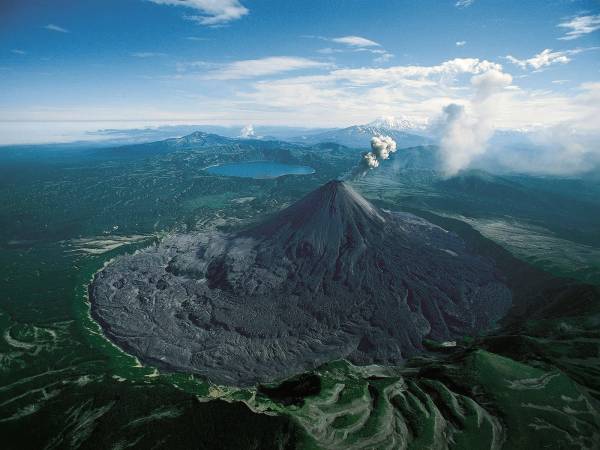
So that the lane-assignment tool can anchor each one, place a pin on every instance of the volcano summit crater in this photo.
(332, 276)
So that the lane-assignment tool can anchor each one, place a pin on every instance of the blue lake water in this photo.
(259, 169)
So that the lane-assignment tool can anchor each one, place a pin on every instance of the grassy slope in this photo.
(533, 383)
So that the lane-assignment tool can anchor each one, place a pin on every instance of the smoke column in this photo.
(381, 148)
(467, 130)
(248, 132)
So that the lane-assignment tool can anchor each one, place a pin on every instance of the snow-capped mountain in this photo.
(404, 132)
(396, 123)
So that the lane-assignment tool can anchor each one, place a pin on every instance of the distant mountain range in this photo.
(396, 123)
(404, 132)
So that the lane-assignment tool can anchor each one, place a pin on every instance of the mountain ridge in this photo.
(332, 276)
(359, 136)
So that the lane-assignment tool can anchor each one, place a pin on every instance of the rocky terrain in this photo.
(330, 277)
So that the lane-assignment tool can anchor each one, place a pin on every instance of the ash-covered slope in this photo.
(330, 277)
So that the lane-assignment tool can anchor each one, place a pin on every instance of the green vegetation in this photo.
(533, 383)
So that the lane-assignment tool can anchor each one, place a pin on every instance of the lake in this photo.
(259, 169)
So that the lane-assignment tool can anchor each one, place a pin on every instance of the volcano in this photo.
(332, 276)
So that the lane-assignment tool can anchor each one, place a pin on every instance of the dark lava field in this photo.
(329, 277)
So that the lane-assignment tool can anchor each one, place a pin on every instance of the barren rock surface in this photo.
(330, 277)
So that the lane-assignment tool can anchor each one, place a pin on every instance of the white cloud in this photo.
(355, 41)
(341, 97)
(349, 96)
(17, 51)
(212, 12)
(267, 91)
(252, 68)
(464, 3)
(557, 150)
(329, 51)
(545, 58)
(448, 69)
(489, 83)
(461, 43)
(579, 26)
(248, 132)
(183, 67)
(330, 96)
(354, 44)
(569, 145)
(383, 57)
(52, 27)
(147, 54)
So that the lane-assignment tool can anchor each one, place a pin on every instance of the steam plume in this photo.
(467, 129)
(248, 132)
(370, 161)
(381, 148)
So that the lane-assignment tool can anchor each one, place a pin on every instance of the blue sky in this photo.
(310, 62)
